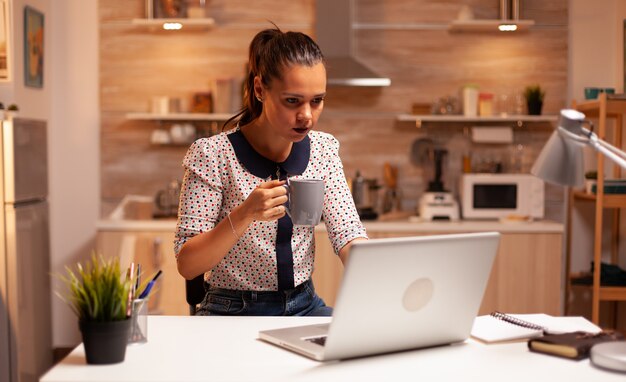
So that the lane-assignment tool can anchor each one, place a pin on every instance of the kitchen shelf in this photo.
(488, 25)
(606, 293)
(187, 23)
(603, 108)
(516, 119)
(179, 116)
(608, 200)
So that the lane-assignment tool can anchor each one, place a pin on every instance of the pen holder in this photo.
(139, 322)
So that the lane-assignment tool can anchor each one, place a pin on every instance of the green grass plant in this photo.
(97, 290)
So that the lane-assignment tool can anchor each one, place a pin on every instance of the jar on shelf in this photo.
(485, 104)
(196, 9)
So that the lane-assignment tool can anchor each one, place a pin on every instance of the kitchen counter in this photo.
(412, 224)
(526, 276)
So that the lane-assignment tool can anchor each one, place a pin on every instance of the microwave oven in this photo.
(494, 196)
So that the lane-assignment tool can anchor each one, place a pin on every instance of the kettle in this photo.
(364, 195)
(166, 199)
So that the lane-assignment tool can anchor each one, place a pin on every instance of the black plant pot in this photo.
(105, 342)
(534, 107)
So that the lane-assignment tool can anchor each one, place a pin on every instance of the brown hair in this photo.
(271, 51)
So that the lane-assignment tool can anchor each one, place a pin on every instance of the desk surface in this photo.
(183, 348)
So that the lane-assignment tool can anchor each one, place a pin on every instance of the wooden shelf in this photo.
(185, 23)
(607, 293)
(591, 108)
(180, 116)
(488, 25)
(603, 108)
(518, 120)
(608, 200)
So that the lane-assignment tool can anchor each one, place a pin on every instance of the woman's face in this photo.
(292, 105)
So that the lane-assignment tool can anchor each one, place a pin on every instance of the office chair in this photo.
(194, 293)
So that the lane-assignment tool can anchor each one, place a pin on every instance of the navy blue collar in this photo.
(260, 166)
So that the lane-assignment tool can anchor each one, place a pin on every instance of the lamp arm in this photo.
(616, 155)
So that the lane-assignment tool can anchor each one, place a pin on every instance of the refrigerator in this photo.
(25, 311)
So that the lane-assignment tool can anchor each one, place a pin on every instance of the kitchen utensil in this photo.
(390, 176)
(421, 151)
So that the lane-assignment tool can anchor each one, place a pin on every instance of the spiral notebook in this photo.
(501, 327)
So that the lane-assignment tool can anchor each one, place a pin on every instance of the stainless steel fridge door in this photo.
(25, 160)
(28, 271)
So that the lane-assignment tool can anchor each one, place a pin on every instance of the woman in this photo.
(232, 220)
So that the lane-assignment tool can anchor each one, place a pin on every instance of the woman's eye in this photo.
(318, 100)
(292, 100)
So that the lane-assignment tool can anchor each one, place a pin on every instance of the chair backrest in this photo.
(194, 290)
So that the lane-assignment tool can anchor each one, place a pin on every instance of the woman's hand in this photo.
(266, 202)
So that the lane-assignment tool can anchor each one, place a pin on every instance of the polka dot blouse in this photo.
(220, 176)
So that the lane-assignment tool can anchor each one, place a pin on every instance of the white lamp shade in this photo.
(560, 161)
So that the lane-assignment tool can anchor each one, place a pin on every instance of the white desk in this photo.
(184, 348)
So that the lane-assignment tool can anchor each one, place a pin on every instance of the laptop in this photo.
(400, 294)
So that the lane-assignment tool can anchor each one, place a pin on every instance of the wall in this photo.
(71, 75)
(74, 141)
(593, 64)
(405, 40)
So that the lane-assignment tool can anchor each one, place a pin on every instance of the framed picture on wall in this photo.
(33, 47)
(4, 40)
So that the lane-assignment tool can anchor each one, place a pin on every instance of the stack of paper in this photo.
(491, 329)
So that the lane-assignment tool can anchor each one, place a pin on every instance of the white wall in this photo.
(74, 145)
(69, 102)
(596, 50)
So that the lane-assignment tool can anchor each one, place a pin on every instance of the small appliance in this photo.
(438, 206)
(494, 196)
(364, 192)
(437, 203)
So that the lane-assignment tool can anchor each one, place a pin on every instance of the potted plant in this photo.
(99, 296)
(534, 99)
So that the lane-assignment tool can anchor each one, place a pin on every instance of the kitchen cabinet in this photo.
(153, 249)
(601, 109)
(525, 278)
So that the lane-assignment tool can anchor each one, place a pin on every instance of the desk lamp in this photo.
(561, 159)
(561, 162)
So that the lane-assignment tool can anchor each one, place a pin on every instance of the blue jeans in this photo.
(299, 301)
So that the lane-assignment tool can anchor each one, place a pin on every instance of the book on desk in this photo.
(499, 327)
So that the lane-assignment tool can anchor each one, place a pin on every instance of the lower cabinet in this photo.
(525, 278)
(153, 250)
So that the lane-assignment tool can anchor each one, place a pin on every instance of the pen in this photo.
(148, 288)
(129, 275)
(137, 280)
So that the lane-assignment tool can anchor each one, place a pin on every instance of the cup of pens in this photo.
(139, 311)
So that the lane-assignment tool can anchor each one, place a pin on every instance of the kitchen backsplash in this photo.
(404, 40)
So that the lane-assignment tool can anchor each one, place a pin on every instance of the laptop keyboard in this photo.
(317, 340)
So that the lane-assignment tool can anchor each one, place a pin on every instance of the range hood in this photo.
(509, 20)
(333, 29)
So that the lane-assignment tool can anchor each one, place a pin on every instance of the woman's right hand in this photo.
(266, 202)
